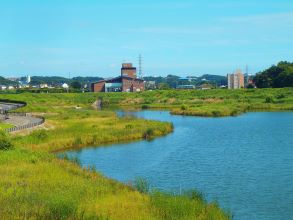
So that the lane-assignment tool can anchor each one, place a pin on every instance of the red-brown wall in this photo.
(98, 87)
(132, 85)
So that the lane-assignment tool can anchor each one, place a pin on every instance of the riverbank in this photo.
(35, 184)
(207, 103)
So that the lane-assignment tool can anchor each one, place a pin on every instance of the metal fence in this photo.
(26, 126)
(8, 105)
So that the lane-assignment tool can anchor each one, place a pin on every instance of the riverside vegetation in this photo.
(208, 103)
(35, 184)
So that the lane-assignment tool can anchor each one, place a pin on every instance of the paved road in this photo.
(17, 120)
(9, 106)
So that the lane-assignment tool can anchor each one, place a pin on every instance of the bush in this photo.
(5, 142)
(148, 133)
(145, 107)
(77, 142)
(216, 113)
(269, 99)
(141, 185)
(183, 107)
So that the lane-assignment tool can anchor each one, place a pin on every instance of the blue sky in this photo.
(187, 37)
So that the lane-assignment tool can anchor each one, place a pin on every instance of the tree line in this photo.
(277, 76)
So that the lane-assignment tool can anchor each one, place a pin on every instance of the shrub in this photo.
(269, 99)
(183, 107)
(148, 133)
(195, 195)
(145, 107)
(77, 142)
(5, 142)
(216, 113)
(141, 185)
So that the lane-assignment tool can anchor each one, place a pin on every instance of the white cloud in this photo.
(179, 30)
(279, 19)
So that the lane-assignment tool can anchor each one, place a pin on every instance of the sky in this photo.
(182, 37)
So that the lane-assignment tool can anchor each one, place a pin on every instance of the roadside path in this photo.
(20, 121)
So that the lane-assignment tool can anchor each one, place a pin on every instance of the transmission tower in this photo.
(140, 74)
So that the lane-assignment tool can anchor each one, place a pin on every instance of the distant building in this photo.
(150, 85)
(205, 86)
(3, 87)
(126, 82)
(185, 87)
(28, 79)
(10, 87)
(65, 86)
(236, 80)
(43, 86)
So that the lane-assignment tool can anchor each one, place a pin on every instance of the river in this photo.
(245, 163)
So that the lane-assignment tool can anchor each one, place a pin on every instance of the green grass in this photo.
(80, 128)
(34, 184)
(4, 126)
(211, 103)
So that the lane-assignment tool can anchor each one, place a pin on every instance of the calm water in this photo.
(245, 162)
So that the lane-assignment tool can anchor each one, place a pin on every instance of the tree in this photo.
(276, 76)
(76, 85)
(163, 86)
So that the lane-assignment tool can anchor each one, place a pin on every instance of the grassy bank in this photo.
(76, 128)
(34, 184)
(211, 103)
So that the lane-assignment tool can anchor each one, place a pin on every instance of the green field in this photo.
(34, 184)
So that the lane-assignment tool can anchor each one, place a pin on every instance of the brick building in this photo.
(126, 82)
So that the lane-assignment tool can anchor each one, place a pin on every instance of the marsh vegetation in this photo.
(35, 184)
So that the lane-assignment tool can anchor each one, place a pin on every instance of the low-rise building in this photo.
(3, 87)
(126, 82)
(43, 86)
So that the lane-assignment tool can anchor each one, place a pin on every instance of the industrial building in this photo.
(126, 82)
(236, 80)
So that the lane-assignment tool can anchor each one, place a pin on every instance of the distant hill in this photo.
(52, 80)
(214, 79)
(86, 80)
(173, 81)
(57, 80)
(6, 82)
(277, 76)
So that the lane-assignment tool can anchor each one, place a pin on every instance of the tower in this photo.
(28, 79)
(128, 70)
(140, 74)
